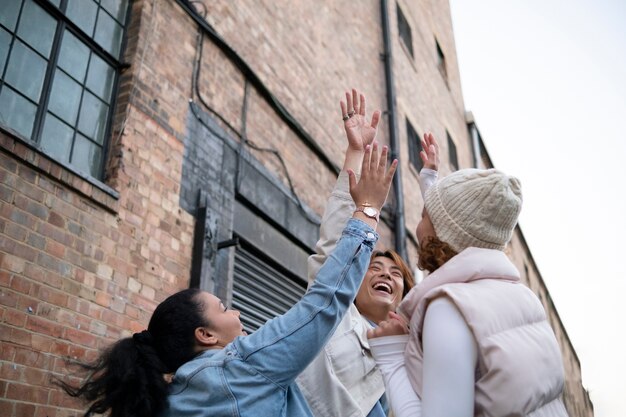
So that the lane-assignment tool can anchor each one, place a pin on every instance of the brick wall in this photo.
(80, 266)
(83, 262)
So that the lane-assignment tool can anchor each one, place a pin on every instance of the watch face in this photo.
(370, 211)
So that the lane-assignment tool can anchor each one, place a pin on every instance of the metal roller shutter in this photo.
(262, 289)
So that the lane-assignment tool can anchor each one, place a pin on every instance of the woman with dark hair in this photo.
(217, 372)
(343, 379)
(478, 342)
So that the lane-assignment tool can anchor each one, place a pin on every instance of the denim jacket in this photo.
(255, 375)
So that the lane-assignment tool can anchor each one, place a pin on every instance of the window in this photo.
(441, 62)
(59, 62)
(415, 147)
(452, 157)
(404, 30)
(262, 289)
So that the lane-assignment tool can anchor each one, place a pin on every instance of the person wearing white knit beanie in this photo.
(470, 339)
(475, 207)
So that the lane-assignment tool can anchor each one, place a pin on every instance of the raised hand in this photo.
(373, 186)
(359, 131)
(430, 152)
(393, 326)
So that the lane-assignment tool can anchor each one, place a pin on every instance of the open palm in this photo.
(359, 131)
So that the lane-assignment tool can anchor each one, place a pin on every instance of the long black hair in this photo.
(129, 377)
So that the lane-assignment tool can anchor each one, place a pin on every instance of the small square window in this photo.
(117, 8)
(65, 97)
(16, 112)
(415, 147)
(83, 13)
(26, 71)
(404, 30)
(5, 43)
(9, 11)
(56, 138)
(452, 156)
(73, 56)
(37, 28)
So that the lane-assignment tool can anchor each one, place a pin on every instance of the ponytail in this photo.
(126, 379)
(129, 377)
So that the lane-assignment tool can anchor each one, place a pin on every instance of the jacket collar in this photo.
(471, 264)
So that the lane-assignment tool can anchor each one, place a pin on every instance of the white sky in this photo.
(546, 81)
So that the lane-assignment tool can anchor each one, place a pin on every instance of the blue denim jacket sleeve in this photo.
(285, 345)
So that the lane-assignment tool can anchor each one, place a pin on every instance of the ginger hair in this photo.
(433, 253)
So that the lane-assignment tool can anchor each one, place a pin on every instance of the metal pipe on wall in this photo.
(394, 147)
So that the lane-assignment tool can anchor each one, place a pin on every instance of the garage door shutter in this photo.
(261, 288)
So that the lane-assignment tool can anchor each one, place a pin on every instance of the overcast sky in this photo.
(546, 81)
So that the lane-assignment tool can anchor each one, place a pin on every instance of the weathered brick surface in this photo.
(84, 263)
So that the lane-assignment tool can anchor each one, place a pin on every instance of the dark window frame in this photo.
(404, 30)
(65, 25)
(441, 61)
(415, 146)
(452, 153)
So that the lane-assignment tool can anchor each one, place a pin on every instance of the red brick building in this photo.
(151, 145)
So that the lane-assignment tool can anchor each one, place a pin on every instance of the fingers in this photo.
(365, 166)
(431, 141)
(362, 105)
(395, 316)
(375, 119)
(430, 149)
(424, 157)
(344, 109)
(348, 103)
(391, 171)
(374, 160)
(355, 101)
(387, 328)
(351, 179)
(382, 163)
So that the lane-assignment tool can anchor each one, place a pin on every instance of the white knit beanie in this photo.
(475, 207)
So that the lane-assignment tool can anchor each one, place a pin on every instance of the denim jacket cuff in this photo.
(361, 230)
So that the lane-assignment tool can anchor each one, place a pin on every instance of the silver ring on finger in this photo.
(345, 117)
(350, 113)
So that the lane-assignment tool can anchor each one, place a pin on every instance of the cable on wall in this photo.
(243, 133)
(256, 82)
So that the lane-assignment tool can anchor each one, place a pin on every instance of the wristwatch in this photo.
(370, 212)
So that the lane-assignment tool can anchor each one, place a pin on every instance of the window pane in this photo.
(16, 112)
(8, 13)
(74, 56)
(83, 13)
(86, 156)
(117, 8)
(56, 138)
(100, 78)
(93, 115)
(65, 97)
(56, 2)
(109, 34)
(26, 71)
(37, 28)
(5, 42)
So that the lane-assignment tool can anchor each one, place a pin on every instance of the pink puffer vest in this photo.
(520, 369)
